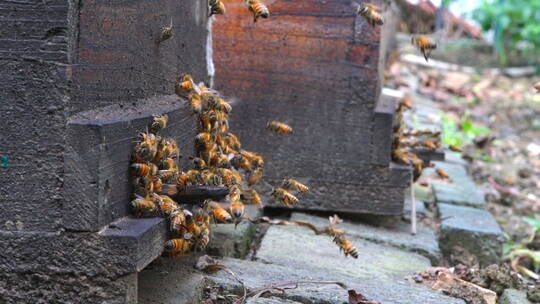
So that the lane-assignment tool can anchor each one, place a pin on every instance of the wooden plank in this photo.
(100, 144)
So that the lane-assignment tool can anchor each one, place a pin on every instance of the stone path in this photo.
(388, 256)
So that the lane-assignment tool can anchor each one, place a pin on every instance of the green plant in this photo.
(458, 133)
(516, 24)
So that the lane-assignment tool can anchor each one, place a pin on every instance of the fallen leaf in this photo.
(358, 298)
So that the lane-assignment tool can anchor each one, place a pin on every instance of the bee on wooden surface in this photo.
(371, 13)
(235, 193)
(204, 238)
(237, 177)
(193, 177)
(257, 161)
(185, 85)
(166, 204)
(442, 174)
(169, 189)
(171, 149)
(191, 226)
(146, 149)
(233, 141)
(157, 184)
(223, 106)
(199, 163)
(220, 214)
(201, 217)
(195, 102)
(144, 186)
(346, 246)
(424, 44)
(182, 179)
(255, 176)
(204, 140)
(205, 125)
(178, 219)
(279, 127)
(167, 175)
(292, 184)
(178, 246)
(237, 209)
(168, 164)
(216, 7)
(143, 205)
(166, 32)
(147, 169)
(258, 9)
(455, 148)
(251, 196)
(159, 123)
(284, 196)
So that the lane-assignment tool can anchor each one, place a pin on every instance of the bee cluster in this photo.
(407, 142)
(256, 7)
(219, 162)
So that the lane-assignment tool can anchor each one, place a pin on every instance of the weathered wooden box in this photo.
(80, 79)
(316, 66)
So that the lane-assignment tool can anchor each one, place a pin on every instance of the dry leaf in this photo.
(358, 298)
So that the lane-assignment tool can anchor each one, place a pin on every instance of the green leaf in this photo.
(533, 222)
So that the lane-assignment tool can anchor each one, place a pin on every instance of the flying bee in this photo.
(425, 44)
(442, 174)
(258, 9)
(455, 148)
(251, 197)
(216, 7)
(537, 87)
(195, 102)
(178, 246)
(237, 209)
(371, 13)
(346, 246)
(405, 103)
(430, 144)
(159, 123)
(220, 214)
(185, 85)
(292, 184)
(284, 196)
(147, 169)
(332, 230)
(279, 127)
(143, 205)
(255, 176)
(178, 219)
(233, 141)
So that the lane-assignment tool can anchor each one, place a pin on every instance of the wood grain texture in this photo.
(100, 144)
(315, 66)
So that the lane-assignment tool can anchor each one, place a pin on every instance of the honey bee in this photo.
(199, 163)
(331, 229)
(167, 175)
(216, 7)
(182, 179)
(220, 214)
(156, 183)
(406, 102)
(237, 209)
(171, 149)
(233, 141)
(252, 197)
(442, 174)
(159, 123)
(146, 150)
(204, 120)
(166, 204)
(166, 32)
(284, 196)
(143, 205)
(237, 178)
(178, 246)
(148, 169)
(195, 102)
(346, 246)
(144, 186)
(279, 127)
(169, 189)
(430, 144)
(178, 219)
(204, 139)
(193, 177)
(537, 87)
(258, 9)
(184, 85)
(425, 45)
(292, 184)
(223, 106)
(255, 176)
(455, 148)
(371, 13)
(191, 226)
(168, 164)
(203, 239)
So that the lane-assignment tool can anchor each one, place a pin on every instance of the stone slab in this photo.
(271, 300)
(256, 274)
(398, 236)
(513, 296)
(471, 229)
(455, 158)
(171, 281)
(460, 191)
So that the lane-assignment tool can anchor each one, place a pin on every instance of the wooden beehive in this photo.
(316, 66)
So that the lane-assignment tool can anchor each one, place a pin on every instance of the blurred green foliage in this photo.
(516, 24)
(458, 133)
